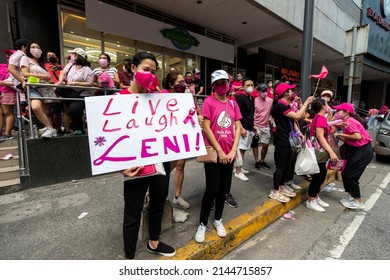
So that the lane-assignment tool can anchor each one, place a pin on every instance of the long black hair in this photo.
(317, 105)
(83, 61)
(170, 79)
(28, 53)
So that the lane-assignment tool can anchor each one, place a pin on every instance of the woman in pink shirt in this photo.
(321, 130)
(358, 153)
(372, 121)
(221, 126)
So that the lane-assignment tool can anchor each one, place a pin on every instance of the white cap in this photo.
(327, 92)
(79, 51)
(219, 75)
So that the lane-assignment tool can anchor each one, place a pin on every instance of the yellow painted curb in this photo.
(242, 227)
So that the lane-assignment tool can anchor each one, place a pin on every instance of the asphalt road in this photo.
(338, 233)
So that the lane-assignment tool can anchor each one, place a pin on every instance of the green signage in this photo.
(180, 38)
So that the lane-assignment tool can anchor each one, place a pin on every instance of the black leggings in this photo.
(357, 160)
(317, 180)
(284, 158)
(134, 195)
(218, 181)
(76, 109)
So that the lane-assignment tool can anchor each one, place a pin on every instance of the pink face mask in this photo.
(145, 79)
(36, 53)
(263, 95)
(221, 90)
(103, 62)
(338, 116)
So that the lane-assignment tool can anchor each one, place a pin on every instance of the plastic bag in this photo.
(306, 162)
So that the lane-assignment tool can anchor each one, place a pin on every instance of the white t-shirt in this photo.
(15, 60)
(111, 71)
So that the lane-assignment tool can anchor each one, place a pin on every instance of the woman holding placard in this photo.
(144, 66)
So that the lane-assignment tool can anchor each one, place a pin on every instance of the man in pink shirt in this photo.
(263, 105)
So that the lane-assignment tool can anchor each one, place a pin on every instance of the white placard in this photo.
(141, 129)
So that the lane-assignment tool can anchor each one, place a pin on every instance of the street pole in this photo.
(352, 64)
(307, 48)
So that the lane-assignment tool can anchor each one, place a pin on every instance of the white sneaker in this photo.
(42, 130)
(294, 186)
(354, 204)
(181, 202)
(322, 203)
(347, 199)
(220, 228)
(50, 132)
(313, 205)
(200, 233)
(244, 171)
(287, 187)
(241, 176)
(278, 196)
(286, 192)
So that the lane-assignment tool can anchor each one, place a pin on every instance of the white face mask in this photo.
(326, 98)
(249, 90)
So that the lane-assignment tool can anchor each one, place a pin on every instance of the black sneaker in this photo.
(265, 165)
(162, 249)
(229, 200)
(257, 165)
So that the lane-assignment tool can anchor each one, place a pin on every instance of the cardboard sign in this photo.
(141, 129)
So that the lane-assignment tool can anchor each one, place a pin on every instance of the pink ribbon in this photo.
(190, 116)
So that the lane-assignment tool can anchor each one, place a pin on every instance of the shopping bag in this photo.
(306, 162)
(339, 165)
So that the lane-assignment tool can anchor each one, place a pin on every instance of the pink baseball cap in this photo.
(282, 88)
(9, 52)
(348, 107)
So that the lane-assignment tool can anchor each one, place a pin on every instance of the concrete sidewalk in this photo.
(45, 222)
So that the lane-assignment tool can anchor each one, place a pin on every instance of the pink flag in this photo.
(323, 74)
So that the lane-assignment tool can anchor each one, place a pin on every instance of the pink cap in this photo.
(348, 107)
(9, 52)
(282, 88)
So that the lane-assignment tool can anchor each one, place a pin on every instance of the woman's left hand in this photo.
(132, 171)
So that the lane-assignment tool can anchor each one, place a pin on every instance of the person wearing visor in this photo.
(358, 153)
(221, 129)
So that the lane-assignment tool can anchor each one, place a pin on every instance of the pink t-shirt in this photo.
(4, 76)
(222, 126)
(262, 111)
(373, 112)
(238, 84)
(353, 127)
(319, 121)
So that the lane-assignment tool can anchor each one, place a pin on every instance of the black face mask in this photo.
(78, 61)
(52, 59)
(180, 88)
